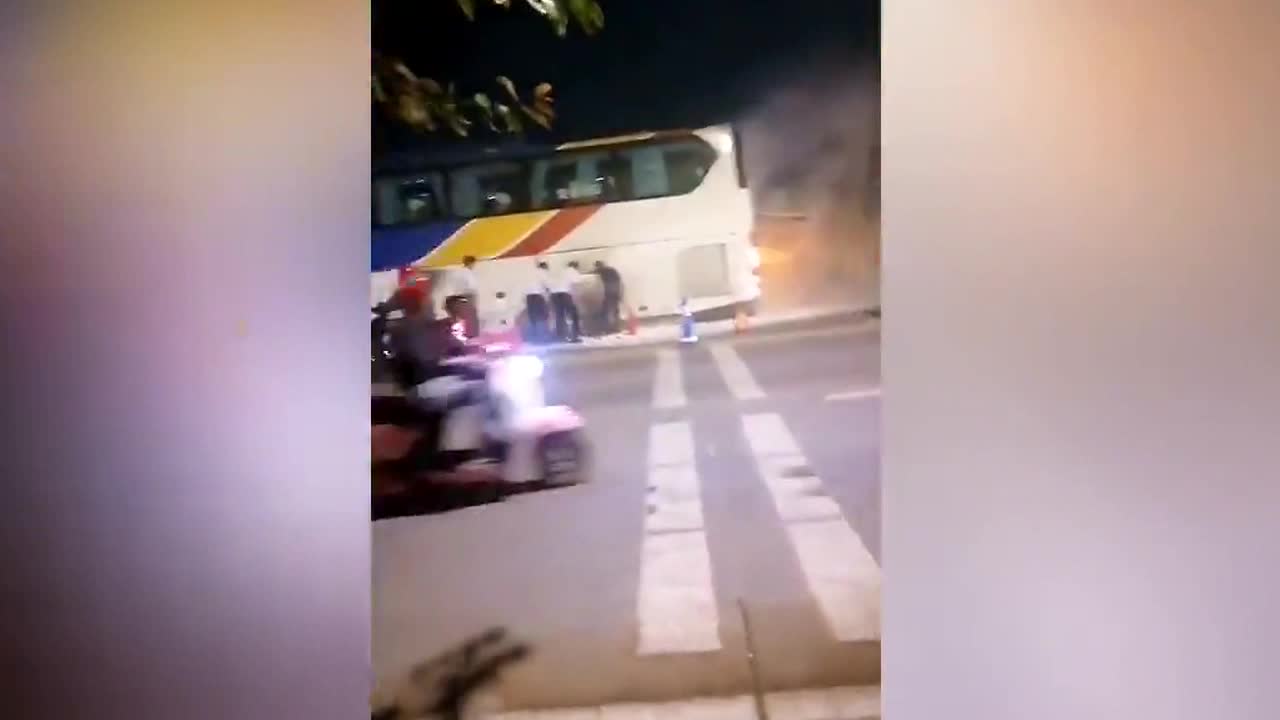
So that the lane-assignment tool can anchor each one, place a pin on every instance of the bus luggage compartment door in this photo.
(703, 272)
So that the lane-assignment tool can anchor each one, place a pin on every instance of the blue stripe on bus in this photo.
(394, 248)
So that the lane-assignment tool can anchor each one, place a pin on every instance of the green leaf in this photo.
(509, 118)
(403, 71)
(553, 11)
(560, 22)
(485, 107)
(509, 86)
(545, 110)
(423, 104)
(430, 86)
(544, 7)
(542, 119)
(588, 15)
(414, 113)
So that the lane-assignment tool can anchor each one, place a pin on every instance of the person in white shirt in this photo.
(460, 302)
(568, 327)
(535, 304)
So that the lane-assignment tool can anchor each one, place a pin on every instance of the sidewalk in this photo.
(840, 703)
(667, 331)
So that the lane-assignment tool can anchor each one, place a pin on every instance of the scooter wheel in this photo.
(563, 458)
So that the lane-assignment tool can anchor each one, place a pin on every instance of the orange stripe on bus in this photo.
(487, 237)
(546, 235)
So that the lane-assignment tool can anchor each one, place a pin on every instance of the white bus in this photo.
(670, 211)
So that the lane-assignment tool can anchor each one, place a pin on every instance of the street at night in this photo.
(640, 445)
(738, 473)
(671, 167)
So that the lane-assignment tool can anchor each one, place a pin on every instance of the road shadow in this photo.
(440, 500)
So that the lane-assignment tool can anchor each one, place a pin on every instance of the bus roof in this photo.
(614, 140)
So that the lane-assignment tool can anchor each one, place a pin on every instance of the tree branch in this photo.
(424, 104)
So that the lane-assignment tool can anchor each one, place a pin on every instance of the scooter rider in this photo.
(419, 340)
(422, 348)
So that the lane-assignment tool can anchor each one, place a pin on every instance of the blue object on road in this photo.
(687, 332)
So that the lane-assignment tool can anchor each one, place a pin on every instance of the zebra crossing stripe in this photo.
(676, 608)
(841, 573)
(668, 383)
(737, 376)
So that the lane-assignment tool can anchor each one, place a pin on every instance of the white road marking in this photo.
(588, 713)
(676, 608)
(671, 444)
(668, 383)
(840, 702)
(861, 394)
(739, 708)
(851, 703)
(677, 605)
(674, 499)
(841, 573)
(735, 372)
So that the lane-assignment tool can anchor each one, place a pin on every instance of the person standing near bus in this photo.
(535, 304)
(460, 303)
(611, 307)
(568, 324)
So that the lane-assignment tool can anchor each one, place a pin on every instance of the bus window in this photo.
(413, 199)
(558, 176)
(668, 168)
(615, 172)
(570, 178)
(421, 201)
(492, 189)
(687, 165)
(648, 172)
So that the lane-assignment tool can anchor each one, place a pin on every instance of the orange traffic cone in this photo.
(631, 322)
(739, 321)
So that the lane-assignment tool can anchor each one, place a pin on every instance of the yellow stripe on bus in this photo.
(486, 238)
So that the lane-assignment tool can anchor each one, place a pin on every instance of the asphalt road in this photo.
(729, 474)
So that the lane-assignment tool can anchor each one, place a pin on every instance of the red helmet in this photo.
(412, 298)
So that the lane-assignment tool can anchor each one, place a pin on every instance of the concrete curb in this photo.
(837, 703)
(669, 334)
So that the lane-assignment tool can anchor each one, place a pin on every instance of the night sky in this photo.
(657, 64)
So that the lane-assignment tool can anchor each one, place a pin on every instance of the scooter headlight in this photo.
(525, 366)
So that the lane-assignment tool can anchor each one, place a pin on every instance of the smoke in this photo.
(811, 151)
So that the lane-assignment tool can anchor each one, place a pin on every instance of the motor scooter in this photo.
(494, 415)
(538, 445)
